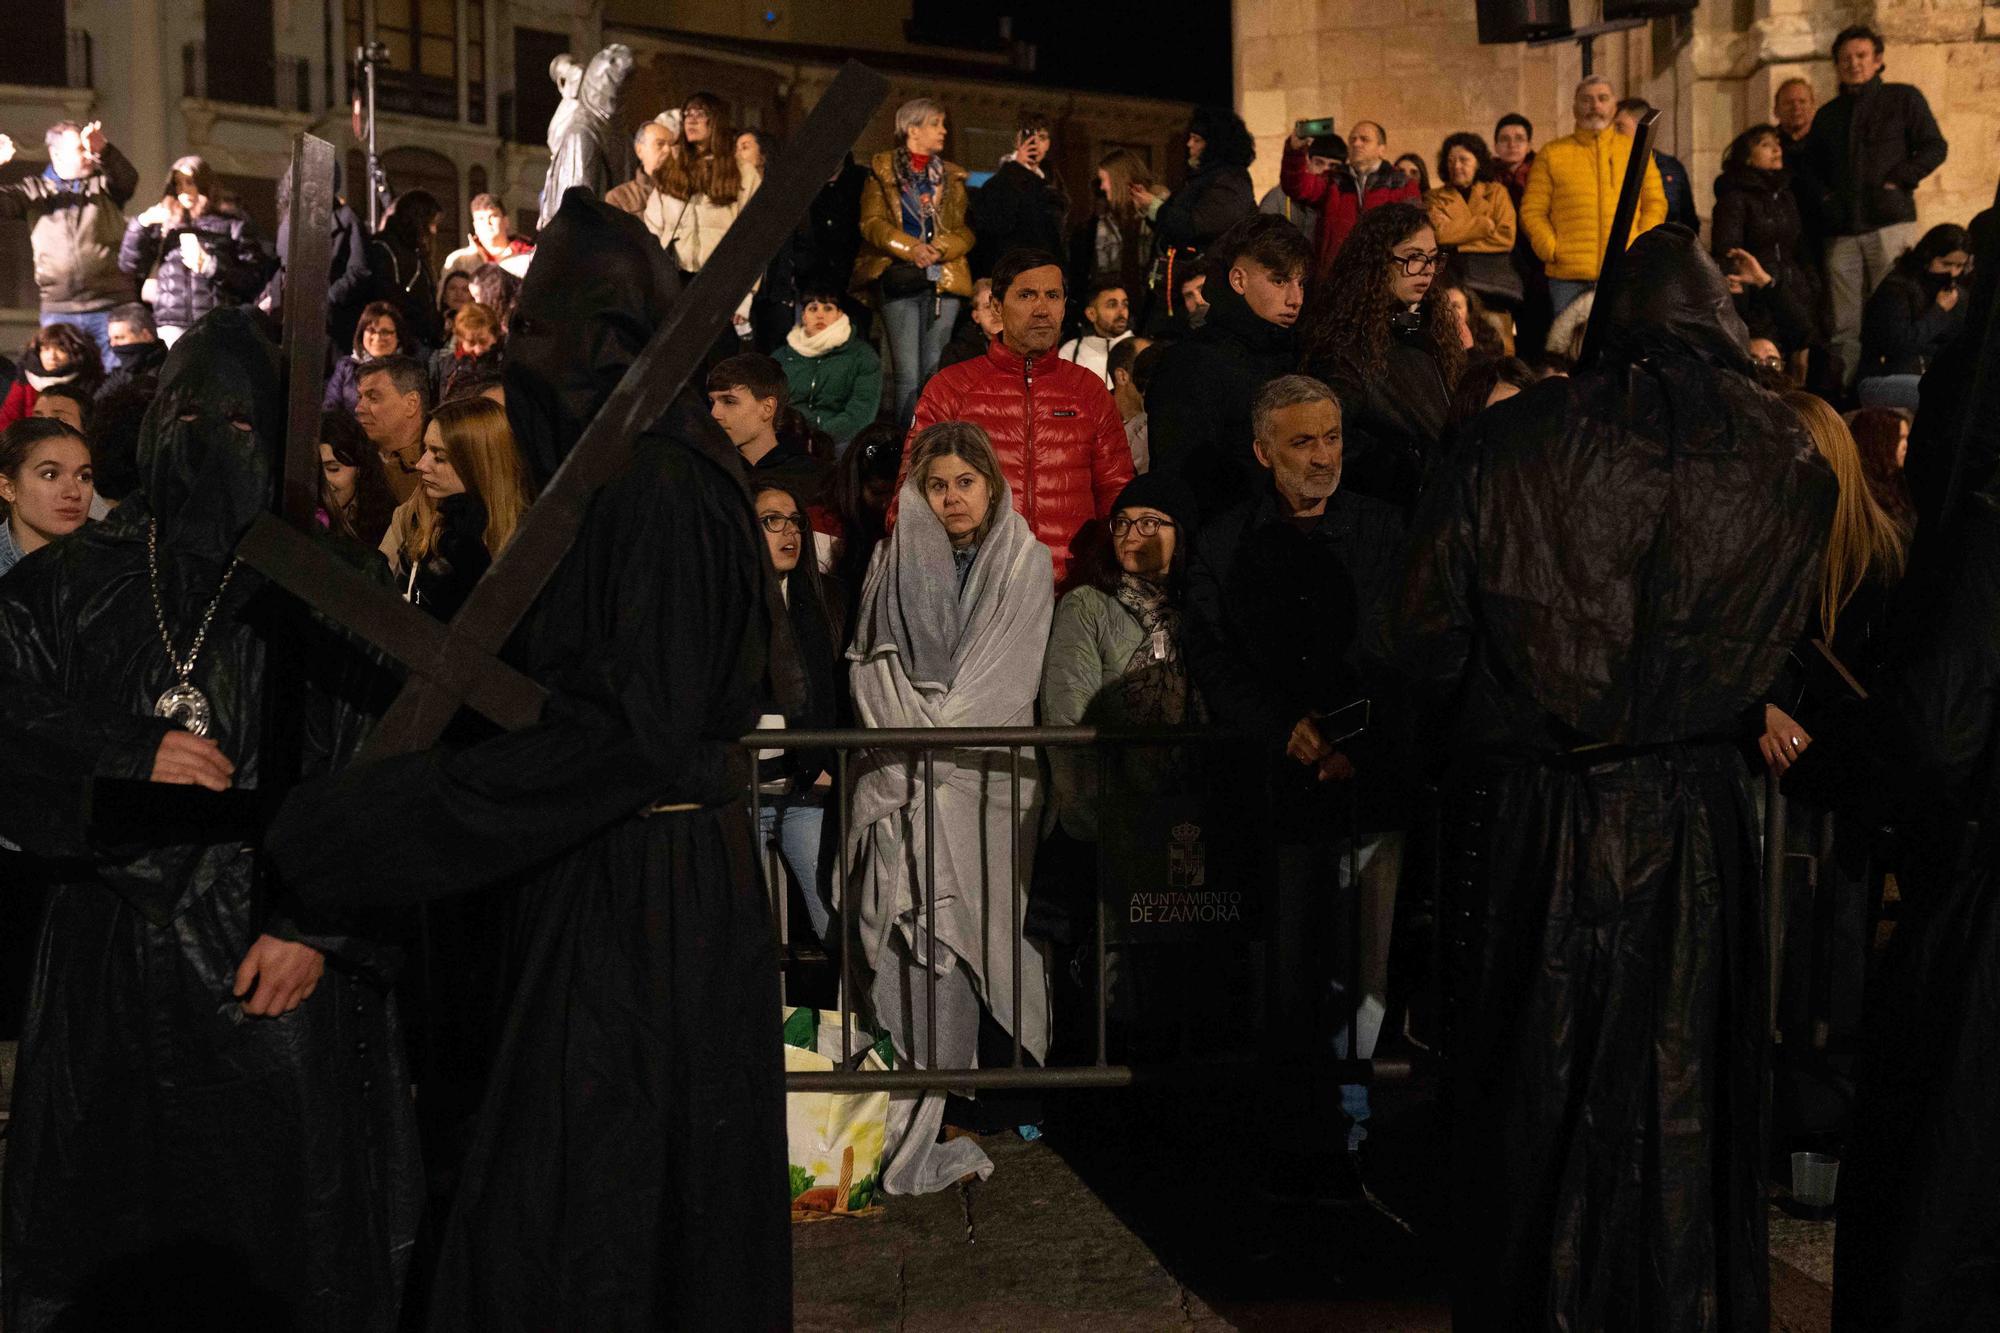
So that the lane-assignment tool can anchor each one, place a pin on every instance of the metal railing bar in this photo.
(1393, 1070)
(961, 738)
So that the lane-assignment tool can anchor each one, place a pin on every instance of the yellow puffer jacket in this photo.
(884, 241)
(1572, 193)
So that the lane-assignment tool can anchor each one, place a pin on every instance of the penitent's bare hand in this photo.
(283, 972)
(191, 760)
(1783, 741)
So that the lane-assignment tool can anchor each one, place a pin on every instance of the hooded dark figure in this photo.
(628, 1167)
(173, 1161)
(1919, 1243)
(1602, 582)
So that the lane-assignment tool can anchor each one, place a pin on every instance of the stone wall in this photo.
(1417, 67)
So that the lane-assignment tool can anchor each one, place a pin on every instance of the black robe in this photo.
(172, 1162)
(1919, 1239)
(1601, 581)
(628, 1167)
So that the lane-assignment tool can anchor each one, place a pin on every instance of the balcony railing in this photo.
(283, 83)
(81, 65)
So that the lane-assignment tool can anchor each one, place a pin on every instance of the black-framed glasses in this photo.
(1769, 362)
(777, 523)
(1420, 262)
(1149, 525)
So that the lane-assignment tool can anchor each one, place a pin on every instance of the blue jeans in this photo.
(97, 323)
(1563, 292)
(1373, 873)
(794, 822)
(1890, 391)
(917, 336)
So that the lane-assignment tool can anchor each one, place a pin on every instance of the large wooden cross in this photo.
(453, 665)
(1611, 269)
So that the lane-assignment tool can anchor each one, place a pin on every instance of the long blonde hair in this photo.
(1864, 540)
(1126, 169)
(483, 453)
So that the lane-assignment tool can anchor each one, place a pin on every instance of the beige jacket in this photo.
(693, 227)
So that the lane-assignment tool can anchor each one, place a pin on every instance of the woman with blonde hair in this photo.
(206, 249)
(1866, 554)
(951, 632)
(473, 492)
(915, 246)
(1116, 238)
(703, 184)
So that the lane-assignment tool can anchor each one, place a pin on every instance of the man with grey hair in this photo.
(74, 211)
(650, 143)
(1288, 596)
(1572, 192)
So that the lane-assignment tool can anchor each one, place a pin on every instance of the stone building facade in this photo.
(1417, 67)
(465, 101)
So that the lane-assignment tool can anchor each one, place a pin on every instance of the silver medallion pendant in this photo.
(185, 704)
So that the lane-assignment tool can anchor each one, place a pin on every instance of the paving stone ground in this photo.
(1113, 1224)
(1108, 1224)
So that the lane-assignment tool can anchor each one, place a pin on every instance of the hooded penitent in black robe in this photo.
(1919, 1240)
(1601, 582)
(172, 1162)
(628, 1167)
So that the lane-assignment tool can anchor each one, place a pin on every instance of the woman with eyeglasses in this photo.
(704, 182)
(793, 784)
(1115, 659)
(1380, 333)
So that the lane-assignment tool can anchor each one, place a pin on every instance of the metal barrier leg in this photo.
(1014, 877)
(930, 910)
(1774, 890)
(843, 916)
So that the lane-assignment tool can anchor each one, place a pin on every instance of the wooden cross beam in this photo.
(459, 668)
(1613, 263)
(308, 263)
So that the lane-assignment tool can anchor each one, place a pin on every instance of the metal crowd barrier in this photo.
(923, 744)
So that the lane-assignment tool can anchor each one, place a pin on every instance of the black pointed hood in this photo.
(209, 447)
(598, 288)
(1671, 298)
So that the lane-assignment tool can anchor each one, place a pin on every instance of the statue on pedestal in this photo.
(585, 147)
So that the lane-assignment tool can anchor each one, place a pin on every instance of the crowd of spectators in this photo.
(1147, 460)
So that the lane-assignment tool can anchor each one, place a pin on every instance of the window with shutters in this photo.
(34, 44)
(420, 77)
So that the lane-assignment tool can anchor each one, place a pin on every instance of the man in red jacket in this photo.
(1344, 192)
(1060, 439)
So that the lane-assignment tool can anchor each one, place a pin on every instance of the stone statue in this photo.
(585, 147)
(567, 75)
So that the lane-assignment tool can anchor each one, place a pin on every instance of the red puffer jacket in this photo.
(1061, 443)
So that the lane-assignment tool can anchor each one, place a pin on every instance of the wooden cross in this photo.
(1612, 267)
(453, 665)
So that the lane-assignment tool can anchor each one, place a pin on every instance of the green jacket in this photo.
(838, 391)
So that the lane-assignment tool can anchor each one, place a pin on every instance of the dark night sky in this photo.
(1157, 48)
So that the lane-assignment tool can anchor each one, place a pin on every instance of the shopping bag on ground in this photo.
(835, 1139)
